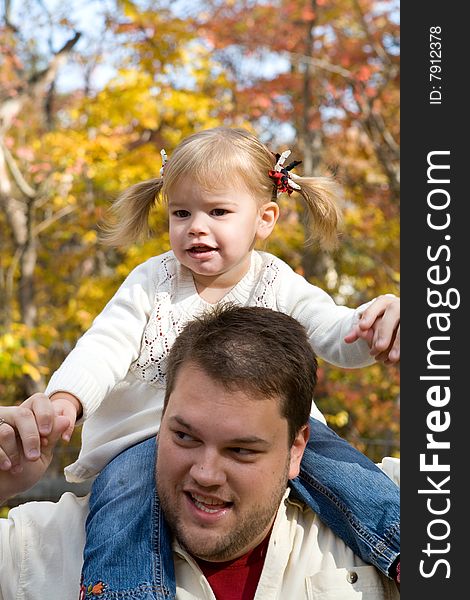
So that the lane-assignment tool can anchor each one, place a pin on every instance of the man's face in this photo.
(223, 465)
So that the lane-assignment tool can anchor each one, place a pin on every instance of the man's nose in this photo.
(208, 470)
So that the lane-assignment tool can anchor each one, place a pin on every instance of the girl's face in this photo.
(212, 233)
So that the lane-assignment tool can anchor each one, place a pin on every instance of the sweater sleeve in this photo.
(326, 322)
(102, 356)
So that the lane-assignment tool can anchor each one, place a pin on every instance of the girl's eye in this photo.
(181, 214)
(219, 212)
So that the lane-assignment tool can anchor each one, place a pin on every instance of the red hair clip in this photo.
(281, 176)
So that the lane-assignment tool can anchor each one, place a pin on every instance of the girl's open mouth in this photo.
(201, 251)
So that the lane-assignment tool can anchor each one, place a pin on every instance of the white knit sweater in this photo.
(117, 368)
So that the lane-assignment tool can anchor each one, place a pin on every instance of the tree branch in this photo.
(20, 181)
(37, 83)
(320, 63)
(58, 215)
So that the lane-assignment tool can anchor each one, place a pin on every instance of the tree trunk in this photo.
(18, 202)
(310, 143)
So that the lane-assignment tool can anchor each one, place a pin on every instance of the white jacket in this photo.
(41, 545)
(118, 367)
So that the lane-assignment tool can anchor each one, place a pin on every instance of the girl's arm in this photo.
(327, 324)
(103, 355)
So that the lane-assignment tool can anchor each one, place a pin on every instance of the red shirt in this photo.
(236, 579)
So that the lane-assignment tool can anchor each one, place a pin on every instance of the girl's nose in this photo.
(198, 225)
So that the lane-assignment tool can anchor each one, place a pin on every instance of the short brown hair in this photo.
(252, 349)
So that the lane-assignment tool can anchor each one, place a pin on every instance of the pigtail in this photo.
(322, 196)
(130, 213)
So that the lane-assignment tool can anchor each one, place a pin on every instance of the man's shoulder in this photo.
(323, 565)
(68, 508)
(330, 567)
(43, 537)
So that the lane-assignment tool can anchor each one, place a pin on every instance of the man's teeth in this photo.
(210, 501)
(204, 504)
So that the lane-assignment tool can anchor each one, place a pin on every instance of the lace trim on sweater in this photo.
(168, 319)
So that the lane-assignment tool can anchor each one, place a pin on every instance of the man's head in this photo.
(260, 351)
(234, 428)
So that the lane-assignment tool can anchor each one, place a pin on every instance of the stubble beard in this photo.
(231, 544)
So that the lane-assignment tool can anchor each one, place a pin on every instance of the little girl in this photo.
(220, 186)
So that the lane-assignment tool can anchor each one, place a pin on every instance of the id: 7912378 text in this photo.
(435, 64)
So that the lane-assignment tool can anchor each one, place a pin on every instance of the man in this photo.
(239, 388)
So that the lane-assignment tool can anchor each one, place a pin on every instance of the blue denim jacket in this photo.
(128, 554)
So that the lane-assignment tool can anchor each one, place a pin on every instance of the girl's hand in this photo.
(69, 406)
(379, 325)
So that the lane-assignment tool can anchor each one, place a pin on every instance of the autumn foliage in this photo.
(318, 76)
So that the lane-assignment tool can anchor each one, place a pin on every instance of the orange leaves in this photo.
(307, 13)
(242, 63)
(364, 73)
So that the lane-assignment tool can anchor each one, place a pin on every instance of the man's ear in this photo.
(297, 450)
(268, 216)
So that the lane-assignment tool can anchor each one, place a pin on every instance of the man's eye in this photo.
(219, 212)
(183, 437)
(243, 451)
(181, 214)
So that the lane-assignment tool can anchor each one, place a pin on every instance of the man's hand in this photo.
(26, 425)
(27, 472)
(379, 325)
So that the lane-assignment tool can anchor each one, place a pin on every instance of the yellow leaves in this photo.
(20, 354)
(183, 108)
(87, 303)
(7, 341)
(373, 231)
(89, 237)
(167, 85)
(127, 100)
(340, 419)
(89, 288)
(129, 8)
(32, 371)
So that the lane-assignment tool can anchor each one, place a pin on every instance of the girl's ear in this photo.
(268, 215)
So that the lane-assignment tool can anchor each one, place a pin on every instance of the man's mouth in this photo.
(207, 504)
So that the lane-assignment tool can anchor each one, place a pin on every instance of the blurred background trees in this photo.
(90, 92)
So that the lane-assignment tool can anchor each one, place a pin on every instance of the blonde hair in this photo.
(211, 158)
